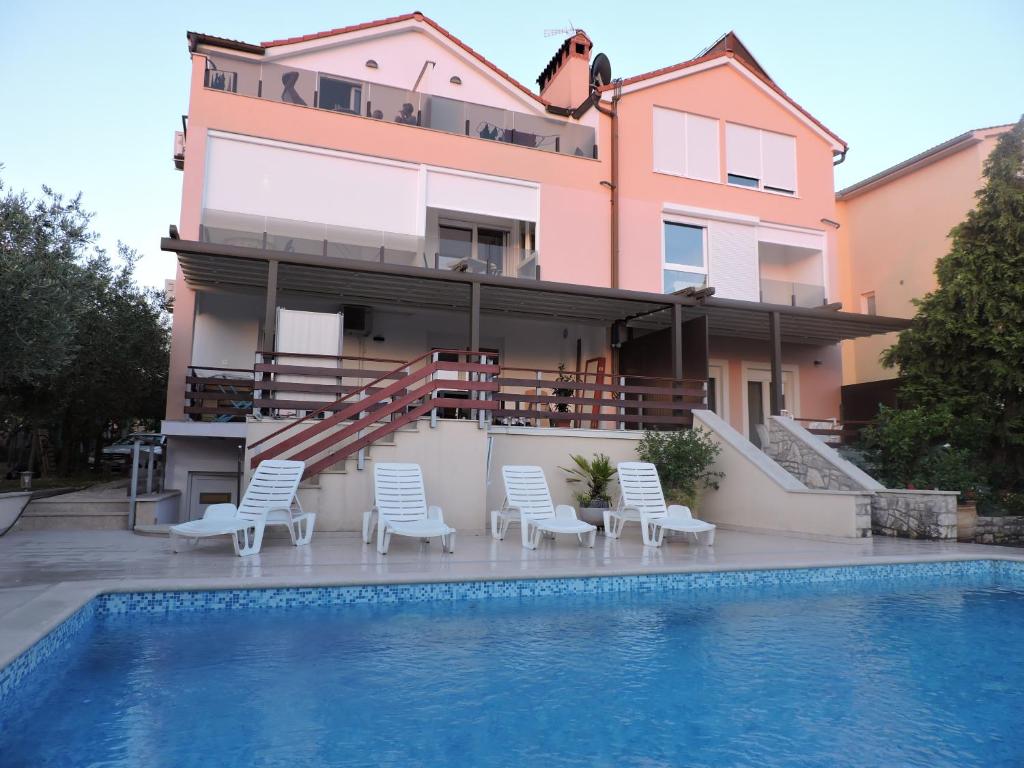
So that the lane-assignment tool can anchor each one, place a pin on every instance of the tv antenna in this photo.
(561, 31)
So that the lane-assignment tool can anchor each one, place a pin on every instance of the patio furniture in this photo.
(268, 500)
(641, 500)
(400, 507)
(528, 500)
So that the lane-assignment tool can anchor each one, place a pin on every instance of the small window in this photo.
(685, 262)
(759, 159)
(743, 181)
(867, 303)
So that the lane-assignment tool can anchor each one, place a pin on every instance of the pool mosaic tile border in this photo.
(1009, 573)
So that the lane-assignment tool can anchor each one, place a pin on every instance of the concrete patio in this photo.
(46, 575)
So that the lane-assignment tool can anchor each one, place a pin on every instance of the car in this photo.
(120, 452)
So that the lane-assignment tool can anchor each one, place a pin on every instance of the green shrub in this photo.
(923, 448)
(683, 460)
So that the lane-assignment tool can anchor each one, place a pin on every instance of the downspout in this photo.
(842, 156)
(613, 185)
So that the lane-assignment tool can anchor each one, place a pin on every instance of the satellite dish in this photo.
(600, 71)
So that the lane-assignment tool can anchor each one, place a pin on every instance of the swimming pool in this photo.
(879, 665)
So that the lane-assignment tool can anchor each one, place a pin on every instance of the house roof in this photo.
(939, 151)
(728, 46)
(196, 38)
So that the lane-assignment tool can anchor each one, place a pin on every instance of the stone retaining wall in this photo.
(915, 514)
(1008, 529)
(810, 460)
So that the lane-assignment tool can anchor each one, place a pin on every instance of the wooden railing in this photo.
(832, 430)
(560, 398)
(362, 417)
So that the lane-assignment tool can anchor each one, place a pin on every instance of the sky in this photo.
(93, 91)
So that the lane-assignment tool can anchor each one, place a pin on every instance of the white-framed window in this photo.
(760, 159)
(686, 145)
(684, 256)
(867, 303)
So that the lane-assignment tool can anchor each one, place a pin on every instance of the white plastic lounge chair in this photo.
(267, 501)
(641, 500)
(528, 498)
(400, 507)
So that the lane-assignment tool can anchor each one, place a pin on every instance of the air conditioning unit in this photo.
(358, 320)
(179, 150)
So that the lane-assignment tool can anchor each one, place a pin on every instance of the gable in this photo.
(723, 88)
(401, 51)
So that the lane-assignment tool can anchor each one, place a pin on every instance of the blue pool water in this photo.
(914, 673)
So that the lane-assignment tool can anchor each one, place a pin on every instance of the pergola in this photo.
(207, 265)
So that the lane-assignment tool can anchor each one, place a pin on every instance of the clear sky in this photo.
(92, 92)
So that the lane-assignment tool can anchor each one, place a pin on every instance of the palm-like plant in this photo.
(597, 473)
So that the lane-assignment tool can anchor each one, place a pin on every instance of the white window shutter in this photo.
(743, 150)
(702, 148)
(779, 161)
(669, 138)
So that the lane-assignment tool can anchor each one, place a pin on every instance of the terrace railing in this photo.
(337, 93)
(792, 294)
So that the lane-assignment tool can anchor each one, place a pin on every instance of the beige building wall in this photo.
(894, 230)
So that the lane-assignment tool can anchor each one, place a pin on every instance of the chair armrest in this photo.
(679, 511)
(220, 512)
(565, 512)
(434, 512)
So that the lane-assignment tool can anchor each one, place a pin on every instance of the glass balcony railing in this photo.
(792, 294)
(334, 93)
(311, 238)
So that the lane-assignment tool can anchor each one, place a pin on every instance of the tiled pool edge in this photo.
(1009, 572)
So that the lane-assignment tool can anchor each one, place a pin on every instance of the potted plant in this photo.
(562, 421)
(597, 474)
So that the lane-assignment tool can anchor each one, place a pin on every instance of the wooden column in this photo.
(677, 341)
(775, 357)
(270, 311)
(474, 317)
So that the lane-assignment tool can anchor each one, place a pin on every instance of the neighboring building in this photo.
(388, 174)
(894, 226)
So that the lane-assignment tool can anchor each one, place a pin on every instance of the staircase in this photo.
(372, 413)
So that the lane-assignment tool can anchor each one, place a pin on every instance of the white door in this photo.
(206, 488)
(757, 398)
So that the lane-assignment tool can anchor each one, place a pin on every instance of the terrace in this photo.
(355, 97)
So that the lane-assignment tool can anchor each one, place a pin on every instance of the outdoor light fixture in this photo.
(371, 64)
(455, 80)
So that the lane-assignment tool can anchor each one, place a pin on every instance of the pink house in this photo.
(379, 214)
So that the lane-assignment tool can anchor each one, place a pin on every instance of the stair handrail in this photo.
(346, 396)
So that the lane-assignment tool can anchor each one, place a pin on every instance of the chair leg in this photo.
(496, 522)
(506, 521)
(383, 538)
(709, 540)
(175, 543)
(528, 537)
(369, 523)
(303, 529)
(450, 543)
(609, 525)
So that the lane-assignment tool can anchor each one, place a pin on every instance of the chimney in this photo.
(565, 81)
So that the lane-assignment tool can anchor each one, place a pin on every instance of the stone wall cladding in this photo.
(1008, 530)
(914, 514)
(804, 463)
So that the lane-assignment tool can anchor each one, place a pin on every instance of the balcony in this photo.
(792, 294)
(335, 93)
(509, 257)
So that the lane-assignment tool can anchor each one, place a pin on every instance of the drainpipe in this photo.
(842, 156)
(613, 185)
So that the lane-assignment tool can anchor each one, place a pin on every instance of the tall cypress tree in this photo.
(965, 349)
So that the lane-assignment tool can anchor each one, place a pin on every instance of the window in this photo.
(472, 248)
(340, 95)
(685, 263)
(867, 303)
(686, 145)
(760, 159)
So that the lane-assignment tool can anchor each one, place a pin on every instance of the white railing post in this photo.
(536, 405)
(622, 398)
(149, 469)
(135, 486)
(433, 411)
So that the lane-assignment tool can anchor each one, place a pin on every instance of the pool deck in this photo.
(45, 576)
